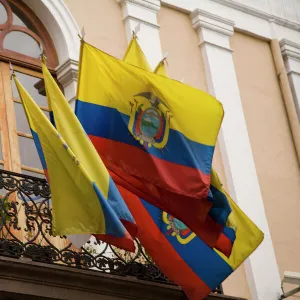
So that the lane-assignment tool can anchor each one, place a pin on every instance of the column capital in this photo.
(212, 29)
(67, 76)
(204, 19)
(141, 11)
(290, 49)
(67, 72)
(150, 4)
(291, 55)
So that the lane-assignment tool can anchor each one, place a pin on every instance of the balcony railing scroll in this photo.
(26, 233)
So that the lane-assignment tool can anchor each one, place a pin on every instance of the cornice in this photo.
(141, 20)
(290, 49)
(150, 4)
(246, 9)
(204, 19)
(67, 72)
(258, 13)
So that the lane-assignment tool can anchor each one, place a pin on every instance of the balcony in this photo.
(36, 265)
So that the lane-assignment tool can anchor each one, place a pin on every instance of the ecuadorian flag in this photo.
(82, 201)
(154, 134)
(182, 256)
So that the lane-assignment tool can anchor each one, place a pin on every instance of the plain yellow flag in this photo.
(78, 204)
(135, 56)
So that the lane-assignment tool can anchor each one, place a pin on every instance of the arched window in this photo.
(22, 35)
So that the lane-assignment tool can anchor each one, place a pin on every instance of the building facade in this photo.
(223, 47)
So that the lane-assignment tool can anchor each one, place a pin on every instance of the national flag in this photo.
(154, 134)
(79, 204)
(182, 256)
(220, 209)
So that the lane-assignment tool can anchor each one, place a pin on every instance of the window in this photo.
(22, 35)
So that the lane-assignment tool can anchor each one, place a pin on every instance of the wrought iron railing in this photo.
(26, 232)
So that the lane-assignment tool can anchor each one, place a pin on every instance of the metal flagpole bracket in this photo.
(43, 57)
(164, 60)
(12, 71)
(82, 34)
(291, 278)
(136, 30)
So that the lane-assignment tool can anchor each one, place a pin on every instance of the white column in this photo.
(291, 55)
(214, 33)
(144, 12)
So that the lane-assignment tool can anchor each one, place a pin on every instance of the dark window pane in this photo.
(23, 43)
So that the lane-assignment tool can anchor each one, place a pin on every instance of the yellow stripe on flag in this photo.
(196, 114)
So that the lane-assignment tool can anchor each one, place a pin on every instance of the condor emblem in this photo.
(177, 229)
(149, 120)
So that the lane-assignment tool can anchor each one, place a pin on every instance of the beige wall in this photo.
(180, 40)
(271, 141)
(103, 24)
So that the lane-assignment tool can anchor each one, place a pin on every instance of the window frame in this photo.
(11, 159)
(45, 42)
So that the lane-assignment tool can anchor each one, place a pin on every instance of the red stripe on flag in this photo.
(192, 210)
(125, 243)
(161, 173)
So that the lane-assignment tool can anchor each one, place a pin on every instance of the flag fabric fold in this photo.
(79, 205)
(154, 134)
(181, 255)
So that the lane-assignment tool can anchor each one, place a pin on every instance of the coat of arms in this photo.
(149, 120)
(178, 229)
